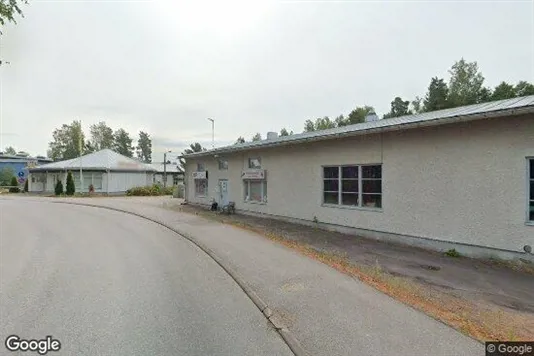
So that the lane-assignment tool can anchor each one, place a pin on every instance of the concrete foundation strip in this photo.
(275, 320)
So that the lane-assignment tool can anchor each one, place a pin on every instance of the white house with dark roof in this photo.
(459, 178)
(108, 172)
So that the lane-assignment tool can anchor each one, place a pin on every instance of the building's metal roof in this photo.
(16, 158)
(501, 108)
(171, 167)
(102, 160)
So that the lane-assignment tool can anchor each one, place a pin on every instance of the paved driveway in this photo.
(108, 283)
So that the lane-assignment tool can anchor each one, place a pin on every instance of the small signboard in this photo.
(253, 174)
(200, 175)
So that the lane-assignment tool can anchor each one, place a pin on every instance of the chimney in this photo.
(371, 117)
(272, 135)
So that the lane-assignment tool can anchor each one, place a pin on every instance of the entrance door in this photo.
(223, 189)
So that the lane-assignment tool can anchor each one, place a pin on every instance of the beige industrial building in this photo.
(459, 178)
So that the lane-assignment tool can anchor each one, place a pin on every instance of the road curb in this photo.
(286, 335)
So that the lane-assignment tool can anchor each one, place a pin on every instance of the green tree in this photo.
(437, 96)
(101, 136)
(524, 88)
(6, 174)
(309, 126)
(58, 190)
(417, 106)
(144, 147)
(465, 84)
(10, 151)
(284, 132)
(358, 115)
(321, 123)
(14, 185)
(123, 143)
(8, 10)
(71, 189)
(239, 140)
(194, 147)
(503, 91)
(68, 142)
(399, 107)
(88, 148)
(256, 137)
(340, 121)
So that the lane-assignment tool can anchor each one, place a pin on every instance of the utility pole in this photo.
(80, 147)
(165, 169)
(212, 132)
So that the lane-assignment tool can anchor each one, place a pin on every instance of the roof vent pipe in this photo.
(272, 135)
(371, 117)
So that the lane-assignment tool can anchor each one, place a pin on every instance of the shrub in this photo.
(139, 191)
(59, 187)
(168, 191)
(26, 185)
(453, 253)
(153, 190)
(6, 174)
(70, 184)
(14, 185)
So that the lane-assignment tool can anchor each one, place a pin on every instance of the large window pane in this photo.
(97, 180)
(331, 185)
(531, 217)
(331, 172)
(532, 169)
(350, 185)
(372, 186)
(372, 171)
(331, 198)
(253, 190)
(349, 172)
(201, 187)
(372, 200)
(532, 190)
(349, 199)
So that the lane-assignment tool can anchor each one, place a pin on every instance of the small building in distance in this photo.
(174, 174)
(20, 163)
(107, 171)
(459, 178)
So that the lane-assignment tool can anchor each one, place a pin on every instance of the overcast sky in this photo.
(166, 66)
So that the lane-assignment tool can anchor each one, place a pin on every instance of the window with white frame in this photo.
(353, 185)
(255, 190)
(200, 167)
(254, 163)
(201, 187)
(94, 178)
(223, 164)
(530, 213)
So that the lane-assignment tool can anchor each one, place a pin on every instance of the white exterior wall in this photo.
(464, 183)
(158, 178)
(120, 182)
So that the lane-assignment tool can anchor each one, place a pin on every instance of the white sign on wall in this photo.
(200, 175)
(255, 174)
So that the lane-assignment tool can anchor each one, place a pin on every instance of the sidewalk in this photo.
(328, 312)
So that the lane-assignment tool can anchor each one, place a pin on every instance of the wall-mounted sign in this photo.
(200, 175)
(253, 174)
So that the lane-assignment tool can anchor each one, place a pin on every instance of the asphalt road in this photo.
(107, 283)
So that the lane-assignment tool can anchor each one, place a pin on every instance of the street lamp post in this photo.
(165, 169)
(212, 132)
